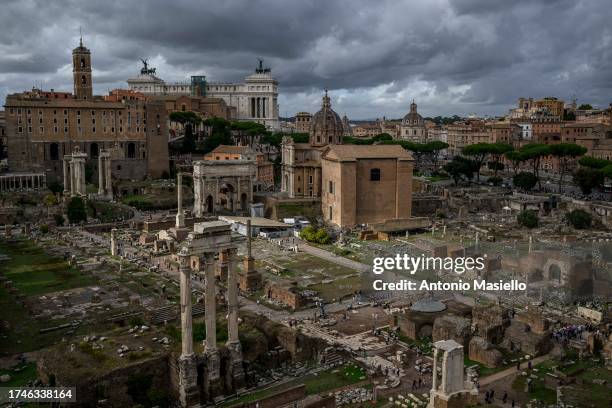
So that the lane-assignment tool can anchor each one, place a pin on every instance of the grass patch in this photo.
(332, 379)
(315, 384)
(35, 272)
(20, 378)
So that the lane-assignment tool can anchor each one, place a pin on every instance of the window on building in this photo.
(331, 187)
(375, 174)
(310, 178)
(331, 212)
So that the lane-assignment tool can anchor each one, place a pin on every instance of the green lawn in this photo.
(315, 384)
(21, 377)
(34, 272)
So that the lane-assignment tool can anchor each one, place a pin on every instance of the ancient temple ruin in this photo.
(105, 183)
(74, 173)
(451, 390)
(207, 240)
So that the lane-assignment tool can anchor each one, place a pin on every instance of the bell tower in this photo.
(81, 72)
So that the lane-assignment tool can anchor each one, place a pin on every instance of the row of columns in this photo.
(105, 182)
(187, 361)
(15, 182)
(259, 107)
(74, 174)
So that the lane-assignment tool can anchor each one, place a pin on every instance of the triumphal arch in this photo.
(223, 186)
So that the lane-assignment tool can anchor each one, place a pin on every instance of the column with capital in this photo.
(212, 383)
(188, 373)
(66, 179)
(180, 217)
(107, 176)
(235, 373)
(100, 176)
(72, 177)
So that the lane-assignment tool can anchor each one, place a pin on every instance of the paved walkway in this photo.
(331, 257)
(510, 371)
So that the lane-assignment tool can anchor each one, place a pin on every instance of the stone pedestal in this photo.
(189, 394)
(250, 279)
(235, 371)
(212, 377)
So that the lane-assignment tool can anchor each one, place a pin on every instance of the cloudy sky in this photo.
(375, 56)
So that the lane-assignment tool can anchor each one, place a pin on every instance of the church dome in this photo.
(326, 127)
(413, 118)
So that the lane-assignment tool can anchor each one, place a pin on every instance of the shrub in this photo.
(525, 180)
(59, 219)
(579, 219)
(44, 229)
(318, 236)
(76, 210)
(528, 218)
(495, 180)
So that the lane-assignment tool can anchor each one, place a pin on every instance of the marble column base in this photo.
(189, 395)
(213, 387)
(235, 373)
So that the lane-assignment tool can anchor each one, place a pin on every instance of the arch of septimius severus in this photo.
(222, 186)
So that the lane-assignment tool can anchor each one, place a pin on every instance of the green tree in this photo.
(593, 162)
(585, 106)
(381, 137)
(189, 120)
(460, 167)
(527, 218)
(525, 180)
(535, 152)
(436, 147)
(479, 153)
(566, 154)
(49, 201)
(579, 219)
(55, 186)
(515, 158)
(587, 179)
(497, 152)
(607, 171)
(220, 134)
(59, 219)
(76, 210)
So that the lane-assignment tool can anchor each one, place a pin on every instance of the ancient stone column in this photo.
(210, 303)
(108, 177)
(212, 383)
(100, 176)
(113, 243)
(434, 383)
(235, 373)
(188, 373)
(180, 217)
(83, 184)
(72, 178)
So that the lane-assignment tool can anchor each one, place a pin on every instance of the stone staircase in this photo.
(171, 313)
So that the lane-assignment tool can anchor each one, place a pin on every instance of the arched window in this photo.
(82, 62)
(375, 174)
(84, 80)
(93, 150)
(54, 151)
(131, 150)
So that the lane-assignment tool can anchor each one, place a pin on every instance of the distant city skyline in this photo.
(450, 56)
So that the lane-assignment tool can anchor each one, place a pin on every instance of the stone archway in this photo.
(209, 204)
(555, 271)
(226, 192)
(243, 201)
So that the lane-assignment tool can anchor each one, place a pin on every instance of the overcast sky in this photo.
(375, 56)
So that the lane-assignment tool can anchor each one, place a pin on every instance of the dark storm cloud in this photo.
(452, 56)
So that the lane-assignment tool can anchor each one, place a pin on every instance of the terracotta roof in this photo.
(353, 152)
(233, 149)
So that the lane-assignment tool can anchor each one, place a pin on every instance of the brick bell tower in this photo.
(81, 72)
